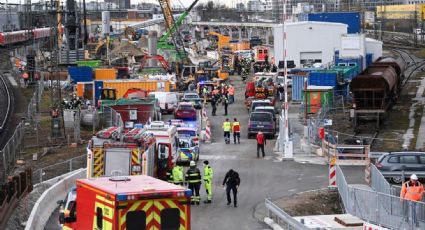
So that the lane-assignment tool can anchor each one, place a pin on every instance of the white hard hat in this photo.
(414, 177)
(192, 163)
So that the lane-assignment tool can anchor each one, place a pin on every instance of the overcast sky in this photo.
(176, 2)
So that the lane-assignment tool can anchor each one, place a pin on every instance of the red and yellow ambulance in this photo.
(130, 203)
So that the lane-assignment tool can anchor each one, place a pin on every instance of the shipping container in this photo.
(80, 74)
(85, 90)
(123, 85)
(299, 82)
(352, 19)
(105, 74)
(324, 78)
(316, 97)
(369, 59)
(90, 63)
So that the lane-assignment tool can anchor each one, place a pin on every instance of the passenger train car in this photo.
(9, 38)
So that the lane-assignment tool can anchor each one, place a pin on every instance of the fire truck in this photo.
(127, 202)
(136, 155)
(166, 142)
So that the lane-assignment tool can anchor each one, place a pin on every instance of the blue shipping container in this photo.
(324, 78)
(80, 73)
(298, 86)
(369, 59)
(352, 19)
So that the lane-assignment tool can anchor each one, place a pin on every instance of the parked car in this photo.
(194, 98)
(255, 103)
(401, 161)
(68, 206)
(268, 109)
(185, 111)
(167, 101)
(261, 121)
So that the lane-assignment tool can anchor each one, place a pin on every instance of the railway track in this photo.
(5, 101)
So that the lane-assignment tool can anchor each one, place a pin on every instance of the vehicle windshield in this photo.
(265, 110)
(260, 117)
(191, 96)
(187, 132)
(185, 107)
(256, 104)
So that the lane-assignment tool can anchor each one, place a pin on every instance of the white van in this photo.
(167, 101)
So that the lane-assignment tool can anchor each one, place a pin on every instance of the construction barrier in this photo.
(367, 173)
(46, 204)
(204, 114)
(332, 173)
(346, 154)
(208, 132)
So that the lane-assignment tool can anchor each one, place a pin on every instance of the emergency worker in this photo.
(193, 178)
(411, 190)
(225, 104)
(213, 105)
(261, 141)
(231, 93)
(226, 129)
(236, 130)
(208, 176)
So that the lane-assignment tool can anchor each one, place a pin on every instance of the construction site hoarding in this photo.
(401, 12)
(105, 74)
(122, 86)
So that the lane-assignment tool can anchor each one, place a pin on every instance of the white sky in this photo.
(177, 2)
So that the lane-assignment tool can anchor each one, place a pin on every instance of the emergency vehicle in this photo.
(107, 157)
(130, 203)
(188, 150)
(166, 142)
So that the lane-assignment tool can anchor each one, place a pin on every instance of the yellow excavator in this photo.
(222, 40)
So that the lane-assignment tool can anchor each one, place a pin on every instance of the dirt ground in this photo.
(317, 202)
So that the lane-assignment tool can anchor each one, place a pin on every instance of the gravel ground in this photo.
(22, 212)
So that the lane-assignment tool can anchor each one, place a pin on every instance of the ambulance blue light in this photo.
(121, 197)
(188, 193)
(138, 125)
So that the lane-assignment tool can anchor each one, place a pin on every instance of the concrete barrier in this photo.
(46, 204)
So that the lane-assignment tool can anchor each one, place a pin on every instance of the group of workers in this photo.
(235, 128)
(193, 178)
(224, 94)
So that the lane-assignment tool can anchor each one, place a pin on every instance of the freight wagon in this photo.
(376, 89)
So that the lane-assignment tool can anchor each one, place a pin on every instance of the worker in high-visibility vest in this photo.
(226, 129)
(208, 176)
(411, 190)
(236, 130)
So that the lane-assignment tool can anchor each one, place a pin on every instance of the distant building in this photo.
(256, 5)
(240, 6)
(122, 4)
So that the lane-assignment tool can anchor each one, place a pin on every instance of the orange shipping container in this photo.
(105, 74)
(123, 85)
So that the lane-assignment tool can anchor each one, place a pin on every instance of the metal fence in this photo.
(58, 169)
(13, 148)
(380, 208)
(110, 117)
(378, 181)
(282, 218)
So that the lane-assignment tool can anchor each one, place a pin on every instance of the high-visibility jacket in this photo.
(236, 127)
(410, 191)
(177, 173)
(227, 126)
(208, 173)
(193, 176)
(231, 91)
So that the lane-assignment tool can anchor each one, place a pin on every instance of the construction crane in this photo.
(173, 29)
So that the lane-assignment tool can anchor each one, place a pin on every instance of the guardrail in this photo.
(58, 169)
(46, 204)
(281, 217)
(380, 208)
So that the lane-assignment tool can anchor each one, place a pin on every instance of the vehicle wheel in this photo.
(397, 179)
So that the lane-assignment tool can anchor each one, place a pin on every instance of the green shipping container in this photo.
(90, 63)
(317, 97)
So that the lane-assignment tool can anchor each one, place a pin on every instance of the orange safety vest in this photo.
(236, 127)
(414, 192)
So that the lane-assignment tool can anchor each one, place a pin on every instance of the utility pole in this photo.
(415, 25)
(288, 151)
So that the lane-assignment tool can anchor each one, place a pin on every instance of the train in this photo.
(376, 89)
(10, 38)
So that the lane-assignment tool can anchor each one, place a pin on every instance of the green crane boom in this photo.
(163, 41)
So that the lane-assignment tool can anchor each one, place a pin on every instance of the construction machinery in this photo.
(172, 30)
(222, 40)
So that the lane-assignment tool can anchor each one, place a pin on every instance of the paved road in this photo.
(260, 178)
